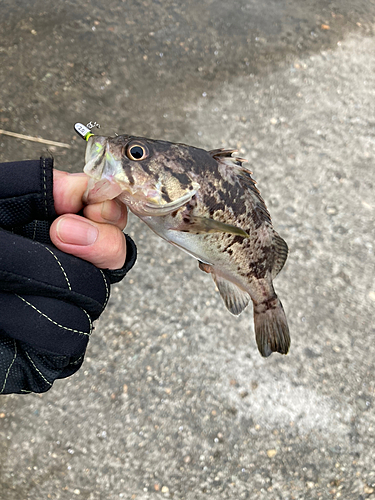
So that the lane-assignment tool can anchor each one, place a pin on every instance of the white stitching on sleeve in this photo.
(89, 320)
(44, 186)
(35, 367)
(10, 366)
(54, 322)
(106, 289)
(61, 267)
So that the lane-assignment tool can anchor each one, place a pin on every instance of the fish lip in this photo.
(94, 164)
(102, 166)
(100, 160)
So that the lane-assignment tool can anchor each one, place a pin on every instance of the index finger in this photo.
(68, 190)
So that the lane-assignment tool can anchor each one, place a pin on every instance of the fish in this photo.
(207, 204)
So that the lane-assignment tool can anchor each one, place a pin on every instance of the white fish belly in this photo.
(202, 247)
(194, 245)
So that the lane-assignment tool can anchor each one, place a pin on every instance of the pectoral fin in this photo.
(201, 225)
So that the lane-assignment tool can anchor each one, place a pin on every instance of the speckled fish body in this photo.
(207, 204)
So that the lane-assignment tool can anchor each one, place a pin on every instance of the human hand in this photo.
(49, 298)
(97, 237)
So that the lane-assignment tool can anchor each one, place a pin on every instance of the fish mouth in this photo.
(99, 160)
(102, 167)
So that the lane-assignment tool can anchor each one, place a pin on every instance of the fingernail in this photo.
(76, 232)
(111, 211)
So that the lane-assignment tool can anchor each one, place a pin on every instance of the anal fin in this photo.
(234, 298)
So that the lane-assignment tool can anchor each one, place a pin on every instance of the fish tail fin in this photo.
(271, 327)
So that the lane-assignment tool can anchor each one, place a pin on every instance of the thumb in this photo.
(103, 245)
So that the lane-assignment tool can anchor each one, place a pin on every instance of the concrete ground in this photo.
(173, 400)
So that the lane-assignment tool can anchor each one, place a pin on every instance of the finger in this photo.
(103, 245)
(68, 190)
(108, 212)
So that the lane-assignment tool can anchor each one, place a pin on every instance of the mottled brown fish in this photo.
(207, 204)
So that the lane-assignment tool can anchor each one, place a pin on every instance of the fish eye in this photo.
(136, 152)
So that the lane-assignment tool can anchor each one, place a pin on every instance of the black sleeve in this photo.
(48, 299)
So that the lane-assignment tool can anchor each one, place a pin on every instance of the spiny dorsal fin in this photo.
(235, 166)
(222, 154)
(234, 298)
(281, 254)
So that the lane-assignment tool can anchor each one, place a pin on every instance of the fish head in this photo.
(147, 175)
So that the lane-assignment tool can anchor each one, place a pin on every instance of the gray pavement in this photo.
(173, 400)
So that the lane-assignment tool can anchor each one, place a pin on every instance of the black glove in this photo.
(48, 299)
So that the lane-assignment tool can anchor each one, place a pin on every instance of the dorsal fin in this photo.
(222, 152)
(281, 254)
(243, 174)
